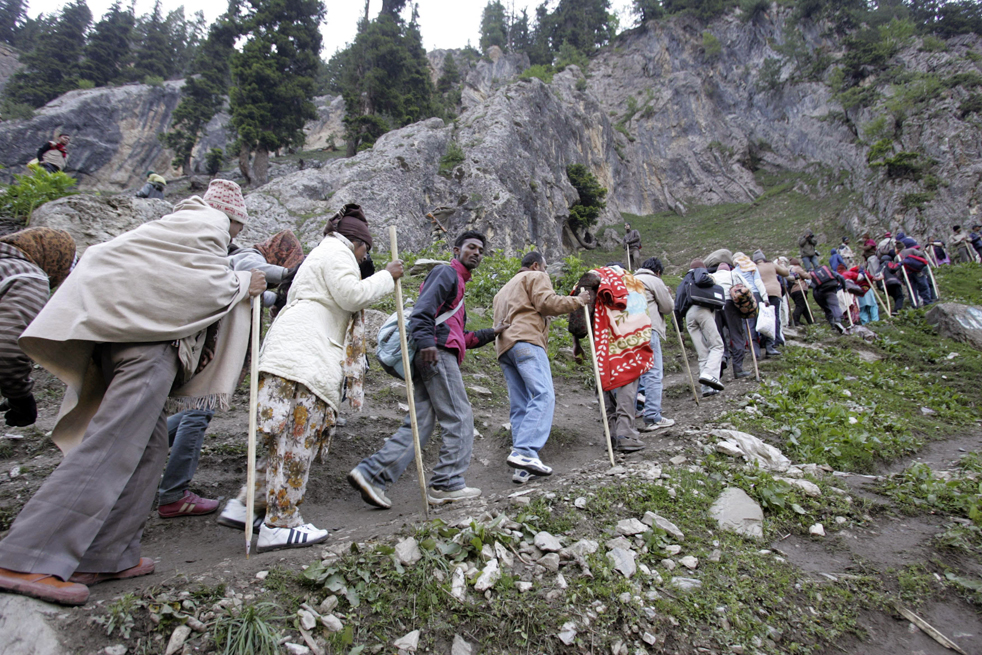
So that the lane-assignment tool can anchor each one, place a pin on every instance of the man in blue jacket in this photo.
(437, 326)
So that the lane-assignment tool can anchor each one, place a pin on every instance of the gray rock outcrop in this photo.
(94, 219)
(24, 628)
(959, 322)
(737, 512)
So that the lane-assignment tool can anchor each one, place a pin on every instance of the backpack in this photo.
(822, 276)
(711, 297)
(389, 348)
(854, 288)
(891, 273)
(743, 300)
(915, 263)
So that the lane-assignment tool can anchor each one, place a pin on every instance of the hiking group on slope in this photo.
(145, 377)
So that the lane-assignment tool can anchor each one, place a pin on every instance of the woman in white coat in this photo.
(315, 348)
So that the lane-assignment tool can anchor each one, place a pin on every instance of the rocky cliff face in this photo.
(94, 219)
(114, 134)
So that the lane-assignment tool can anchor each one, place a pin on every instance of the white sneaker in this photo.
(521, 476)
(233, 516)
(530, 464)
(657, 425)
(439, 497)
(277, 538)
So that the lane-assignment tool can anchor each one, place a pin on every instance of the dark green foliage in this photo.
(647, 10)
(107, 52)
(52, 68)
(752, 10)
(705, 10)
(203, 93)
(13, 15)
(155, 56)
(519, 33)
(584, 24)
(453, 158)
(916, 200)
(450, 77)
(274, 75)
(494, 26)
(972, 105)
(584, 213)
(946, 18)
(711, 47)
(867, 52)
(32, 190)
(963, 79)
(384, 79)
(214, 160)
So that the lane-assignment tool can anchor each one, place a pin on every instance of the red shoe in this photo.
(145, 567)
(190, 505)
(44, 587)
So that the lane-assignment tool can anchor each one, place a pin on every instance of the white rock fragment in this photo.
(177, 639)
(629, 527)
(839, 520)
(328, 604)
(408, 552)
(685, 584)
(547, 543)
(458, 586)
(652, 519)
(307, 619)
(567, 634)
(808, 488)
(673, 549)
(580, 502)
(689, 562)
(817, 530)
(523, 586)
(296, 649)
(489, 576)
(461, 646)
(678, 460)
(623, 561)
(482, 391)
(505, 558)
(550, 561)
(561, 581)
(408, 642)
(737, 512)
(118, 649)
(584, 547)
(262, 575)
(668, 564)
(332, 623)
(752, 449)
(649, 639)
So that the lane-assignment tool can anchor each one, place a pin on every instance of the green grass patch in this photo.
(960, 282)
(957, 492)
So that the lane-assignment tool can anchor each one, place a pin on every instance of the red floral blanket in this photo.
(621, 328)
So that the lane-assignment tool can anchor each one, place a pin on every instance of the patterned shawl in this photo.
(282, 249)
(355, 361)
(621, 328)
(52, 250)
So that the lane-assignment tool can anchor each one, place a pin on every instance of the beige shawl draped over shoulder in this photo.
(167, 280)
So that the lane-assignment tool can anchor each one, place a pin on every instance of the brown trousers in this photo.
(89, 514)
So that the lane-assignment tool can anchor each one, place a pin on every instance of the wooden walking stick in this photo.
(934, 284)
(600, 388)
(910, 289)
(406, 367)
(753, 353)
(627, 247)
(692, 382)
(872, 285)
(257, 308)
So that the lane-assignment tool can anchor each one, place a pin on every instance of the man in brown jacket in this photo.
(522, 306)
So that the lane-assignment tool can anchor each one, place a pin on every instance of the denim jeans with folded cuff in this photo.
(652, 381)
(531, 395)
(440, 396)
(185, 434)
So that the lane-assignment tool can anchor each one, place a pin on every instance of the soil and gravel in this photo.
(197, 552)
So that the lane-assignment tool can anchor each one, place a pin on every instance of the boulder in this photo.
(737, 512)
(959, 322)
(650, 518)
(94, 219)
(408, 552)
(24, 628)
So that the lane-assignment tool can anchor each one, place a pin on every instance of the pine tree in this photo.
(384, 79)
(273, 77)
(13, 14)
(52, 68)
(584, 24)
(107, 52)
(520, 36)
(203, 93)
(155, 56)
(494, 26)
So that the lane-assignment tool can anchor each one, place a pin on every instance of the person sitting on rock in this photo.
(524, 305)
(152, 315)
(53, 155)
(33, 262)
(154, 187)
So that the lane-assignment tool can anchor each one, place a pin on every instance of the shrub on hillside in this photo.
(33, 190)
(584, 213)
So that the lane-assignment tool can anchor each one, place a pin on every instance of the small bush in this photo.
(751, 10)
(153, 80)
(916, 200)
(972, 105)
(581, 84)
(214, 160)
(879, 128)
(711, 47)
(543, 72)
(964, 79)
(86, 84)
(770, 74)
(973, 56)
(33, 190)
(453, 158)
(584, 213)
(933, 44)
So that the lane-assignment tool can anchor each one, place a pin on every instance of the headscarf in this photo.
(281, 249)
(741, 260)
(723, 267)
(53, 251)
(350, 221)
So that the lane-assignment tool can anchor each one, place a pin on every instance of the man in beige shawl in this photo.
(155, 312)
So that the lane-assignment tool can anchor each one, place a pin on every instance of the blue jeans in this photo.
(185, 434)
(652, 381)
(530, 392)
(809, 263)
(440, 396)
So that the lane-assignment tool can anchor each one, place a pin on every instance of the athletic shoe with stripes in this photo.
(533, 465)
(277, 538)
(191, 504)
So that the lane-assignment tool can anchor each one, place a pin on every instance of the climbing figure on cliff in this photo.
(632, 239)
(152, 314)
(33, 262)
(154, 187)
(53, 155)
(807, 246)
(525, 304)
(437, 326)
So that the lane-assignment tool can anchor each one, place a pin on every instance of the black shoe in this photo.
(710, 392)
(772, 351)
(739, 375)
(628, 445)
(838, 326)
(711, 382)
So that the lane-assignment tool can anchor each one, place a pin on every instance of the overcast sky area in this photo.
(444, 23)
